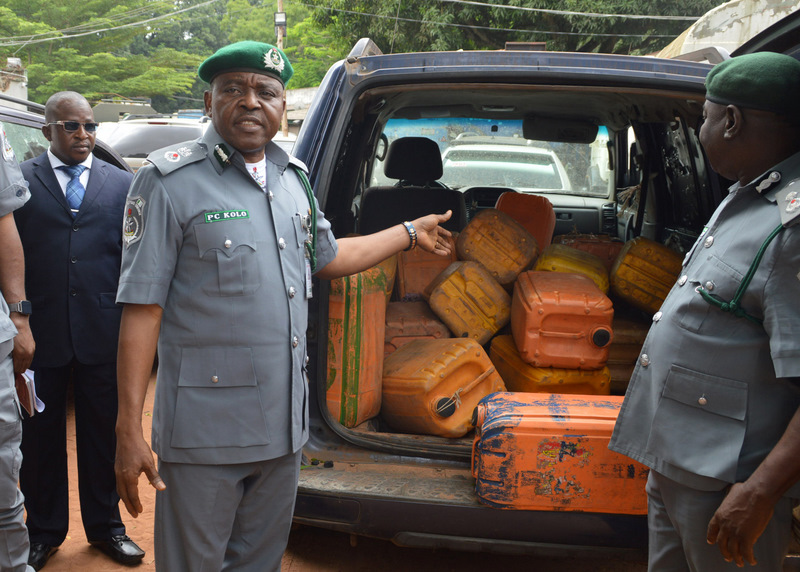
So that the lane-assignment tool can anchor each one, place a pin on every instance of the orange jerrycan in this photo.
(534, 212)
(409, 321)
(561, 320)
(644, 273)
(431, 387)
(623, 353)
(535, 451)
(561, 258)
(417, 268)
(604, 246)
(356, 324)
(521, 376)
(498, 242)
(470, 301)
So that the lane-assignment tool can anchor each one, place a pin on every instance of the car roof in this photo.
(780, 37)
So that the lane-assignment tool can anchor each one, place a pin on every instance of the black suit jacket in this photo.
(72, 265)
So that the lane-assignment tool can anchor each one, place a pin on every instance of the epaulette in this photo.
(298, 163)
(788, 201)
(174, 157)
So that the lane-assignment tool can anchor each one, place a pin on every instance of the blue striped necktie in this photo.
(75, 190)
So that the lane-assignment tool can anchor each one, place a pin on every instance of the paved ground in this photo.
(310, 549)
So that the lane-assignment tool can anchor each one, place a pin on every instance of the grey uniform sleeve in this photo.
(13, 187)
(326, 243)
(152, 240)
(781, 296)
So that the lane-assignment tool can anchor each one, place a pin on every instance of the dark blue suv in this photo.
(640, 171)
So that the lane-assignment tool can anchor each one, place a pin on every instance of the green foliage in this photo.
(415, 25)
(151, 48)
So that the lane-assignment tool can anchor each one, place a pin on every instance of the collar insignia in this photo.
(222, 154)
(768, 181)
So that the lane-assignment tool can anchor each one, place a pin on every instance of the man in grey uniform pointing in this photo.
(216, 271)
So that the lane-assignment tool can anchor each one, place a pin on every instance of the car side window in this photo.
(27, 141)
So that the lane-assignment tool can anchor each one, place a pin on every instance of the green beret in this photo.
(247, 56)
(764, 80)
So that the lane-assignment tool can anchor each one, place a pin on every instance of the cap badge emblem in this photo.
(273, 60)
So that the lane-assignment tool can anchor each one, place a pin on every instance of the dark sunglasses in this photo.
(70, 126)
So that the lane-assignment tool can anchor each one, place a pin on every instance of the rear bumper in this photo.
(437, 508)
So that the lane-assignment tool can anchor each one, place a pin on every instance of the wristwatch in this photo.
(21, 307)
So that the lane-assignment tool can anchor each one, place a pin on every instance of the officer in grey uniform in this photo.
(16, 353)
(221, 238)
(712, 407)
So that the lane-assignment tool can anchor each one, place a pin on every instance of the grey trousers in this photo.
(13, 534)
(678, 517)
(225, 517)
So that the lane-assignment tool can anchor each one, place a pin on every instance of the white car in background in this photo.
(136, 138)
(503, 162)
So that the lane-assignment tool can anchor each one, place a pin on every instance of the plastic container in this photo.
(644, 273)
(469, 301)
(498, 242)
(409, 321)
(550, 452)
(521, 376)
(432, 387)
(561, 258)
(561, 320)
(356, 331)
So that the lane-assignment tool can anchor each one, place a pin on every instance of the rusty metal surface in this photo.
(425, 484)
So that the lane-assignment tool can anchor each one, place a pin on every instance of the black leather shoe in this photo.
(39, 555)
(121, 548)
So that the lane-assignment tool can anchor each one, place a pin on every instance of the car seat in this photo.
(416, 163)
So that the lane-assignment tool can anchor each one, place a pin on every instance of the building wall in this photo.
(729, 25)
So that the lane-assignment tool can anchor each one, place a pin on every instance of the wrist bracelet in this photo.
(412, 234)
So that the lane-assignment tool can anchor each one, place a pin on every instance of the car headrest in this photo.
(414, 159)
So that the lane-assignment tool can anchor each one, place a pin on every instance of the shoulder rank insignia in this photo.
(172, 158)
(788, 200)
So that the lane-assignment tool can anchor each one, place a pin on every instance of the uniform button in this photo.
(644, 359)
(709, 285)
(20, 192)
(702, 401)
(270, 195)
(682, 280)
(73, 292)
(709, 241)
(292, 291)
(295, 342)
(228, 243)
(75, 227)
(657, 316)
(306, 360)
(281, 243)
(214, 379)
(74, 259)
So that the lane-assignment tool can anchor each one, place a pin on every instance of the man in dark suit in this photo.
(71, 231)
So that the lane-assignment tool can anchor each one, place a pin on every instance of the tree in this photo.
(421, 25)
(308, 47)
(85, 46)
